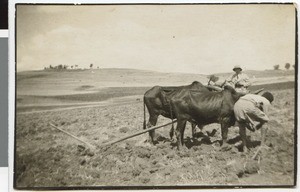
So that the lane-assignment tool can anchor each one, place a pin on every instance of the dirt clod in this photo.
(145, 180)
(82, 162)
(251, 167)
(80, 148)
(124, 129)
(136, 172)
(153, 170)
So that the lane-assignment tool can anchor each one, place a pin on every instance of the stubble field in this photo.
(46, 157)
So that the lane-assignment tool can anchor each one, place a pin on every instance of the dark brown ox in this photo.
(204, 107)
(157, 101)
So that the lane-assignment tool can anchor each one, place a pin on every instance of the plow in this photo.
(113, 142)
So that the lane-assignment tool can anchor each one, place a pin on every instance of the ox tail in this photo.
(144, 124)
(171, 114)
(172, 128)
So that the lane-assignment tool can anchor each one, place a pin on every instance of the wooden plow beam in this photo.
(114, 142)
(139, 133)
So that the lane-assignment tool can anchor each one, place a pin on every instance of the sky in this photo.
(201, 39)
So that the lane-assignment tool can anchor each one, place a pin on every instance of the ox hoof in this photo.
(182, 147)
(245, 150)
(226, 147)
(264, 146)
(147, 144)
(153, 142)
(149, 141)
(179, 148)
(212, 133)
(173, 141)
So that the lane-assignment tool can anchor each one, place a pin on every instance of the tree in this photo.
(91, 65)
(287, 66)
(276, 67)
(71, 66)
(60, 66)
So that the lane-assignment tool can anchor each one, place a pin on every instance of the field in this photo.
(104, 108)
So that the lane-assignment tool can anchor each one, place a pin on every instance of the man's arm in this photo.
(229, 79)
(266, 107)
(244, 81)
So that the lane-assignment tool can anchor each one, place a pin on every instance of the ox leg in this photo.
(179, 133)
(242, 130)
(171, 132)
(264, 130)
(182, 133)
(152, 122)
(224, 130)
(193, 130)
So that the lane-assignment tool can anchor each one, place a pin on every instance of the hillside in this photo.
(47, 83)
(37, 90)
(73, 81)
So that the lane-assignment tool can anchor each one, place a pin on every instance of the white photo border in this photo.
(12, 67)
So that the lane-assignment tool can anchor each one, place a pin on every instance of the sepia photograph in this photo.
(155, 96)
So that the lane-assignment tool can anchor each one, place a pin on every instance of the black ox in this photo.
(157, 100)
(204, 107)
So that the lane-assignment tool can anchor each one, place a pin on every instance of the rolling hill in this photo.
(74, 81)
(40, 88)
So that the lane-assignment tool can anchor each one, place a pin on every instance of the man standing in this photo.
(240, 81)
(251, 112)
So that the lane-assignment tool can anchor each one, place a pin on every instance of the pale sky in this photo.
(202, 39)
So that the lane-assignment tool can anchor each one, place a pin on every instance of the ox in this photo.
(204, 107)
(157, 101)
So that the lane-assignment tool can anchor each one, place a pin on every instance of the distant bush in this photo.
(276, 67)
(57, 67)
(287, 66)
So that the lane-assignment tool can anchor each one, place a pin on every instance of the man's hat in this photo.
(237, 67)
(268, 96)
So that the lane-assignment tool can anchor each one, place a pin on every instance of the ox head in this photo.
(232, 91)
(196, 83)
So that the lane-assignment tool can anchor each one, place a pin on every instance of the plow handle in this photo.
(73, 136)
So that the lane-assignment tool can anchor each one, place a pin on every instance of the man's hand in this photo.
(258, 126)
(250, 126)
(239, 83)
